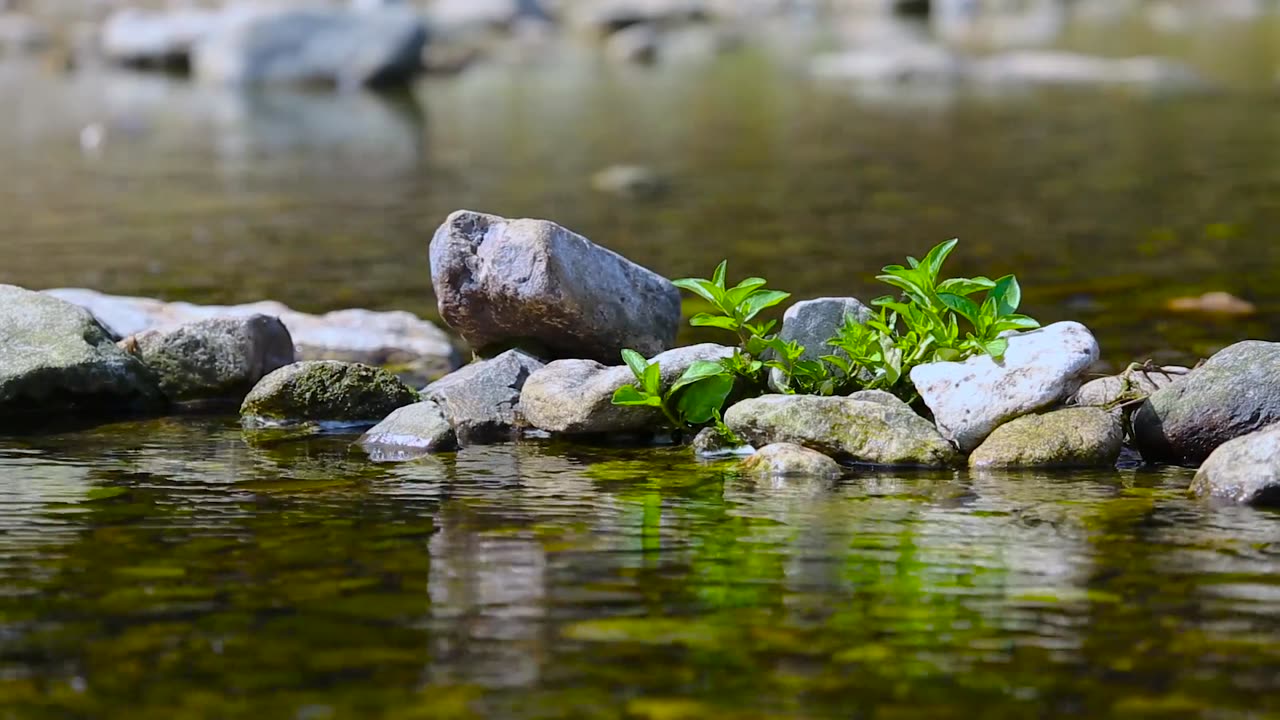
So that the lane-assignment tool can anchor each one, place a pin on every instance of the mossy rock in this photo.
(1071, 437)
(326, 391)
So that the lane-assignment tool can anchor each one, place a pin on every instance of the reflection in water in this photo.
(181, 572)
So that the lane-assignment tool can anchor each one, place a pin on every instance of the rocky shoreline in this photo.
(548, 306)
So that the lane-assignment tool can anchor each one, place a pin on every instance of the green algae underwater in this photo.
(180, 568)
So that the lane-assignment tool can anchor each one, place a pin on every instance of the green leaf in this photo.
(995, 348)
(965, 286)
(1007, 294)
(743, 290)
(702, 400)
(704, 289)
(719, 321)
(907, 285)
(932, 263)
(628, 395)
(699, 370)
(1014, 322)
(762, 299)
(962, 305)
(653, 379)
(718, 276)
(636, 362)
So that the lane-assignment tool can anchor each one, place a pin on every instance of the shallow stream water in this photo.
(181, 569)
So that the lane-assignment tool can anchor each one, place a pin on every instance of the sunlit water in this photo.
(180, 568)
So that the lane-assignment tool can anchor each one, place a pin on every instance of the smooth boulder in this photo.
(860, 431)
(576, 396)
(482, 400)
(504, 282)
(1243, 470)
(812, 323)
(338, 47)
(410, 432)
(56, 359)
(1234, 393)
(787, 459)
(216, 359)
(1040, 368)
(1078, 437)
(326, 391)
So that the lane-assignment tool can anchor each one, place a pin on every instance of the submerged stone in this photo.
(326, 391)
(482, 399)
(1040, 368)
(1071, 437)
(1236, 392)
(507, 282)
(216, 359)
(410, 432)
(56, 359)
(873, 433)
(783, 459)
(1243, 470)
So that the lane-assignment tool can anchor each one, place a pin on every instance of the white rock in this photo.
(972, 398)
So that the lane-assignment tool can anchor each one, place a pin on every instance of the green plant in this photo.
(695, 398)
(737, 306)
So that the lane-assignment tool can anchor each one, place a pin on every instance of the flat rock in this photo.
(812, 323)
(415, 347)
(1071, 437)
(1041, 368)
(410, 432)
(784, 459)
(576, 396)
(482, 400)
(1243, 470)
(325, 391)
(510, 282)
(212, 360)
(1233, 394)
(874, 433)
(56, 359)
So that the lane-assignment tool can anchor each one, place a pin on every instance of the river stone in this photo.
(1070, 437)
(782, 459)
(410, 432)
(341, 47)
(504, 282)
(216, 359)
(55, 358)
(576, 396)
(1243, 470)
(481, 399)
(1128, 388)
(156, 39)
(1041, 368)
(1236, 392)
(874, 433)
(812, 323)
(326, 391)
(882, 397)
(415, 347)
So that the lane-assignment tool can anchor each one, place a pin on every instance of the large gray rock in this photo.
(1040, 369)
(325, 391)
(156, 39)
(216, 359)
(812, 323)
(1243, 470)
(504, 282)
(314, 46)
(1071, 437)
(1128, 389)
(414, 346)
(481, 400)
(1235, 393)
(783, 459)
(410, 432)
(874, 433)
(576, 396)
(55, 358)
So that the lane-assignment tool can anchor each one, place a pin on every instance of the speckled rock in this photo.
(326, 391)
(56, 359)
(882, 397)
(410, 432)
(783, 459)
(1071, 437)
(1243, 470)
(504, 282)
(1236, 392)
(873, 433)
(1041, 368)
(812, 323)
(217, 359)
(576, 396)
(481, 400)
